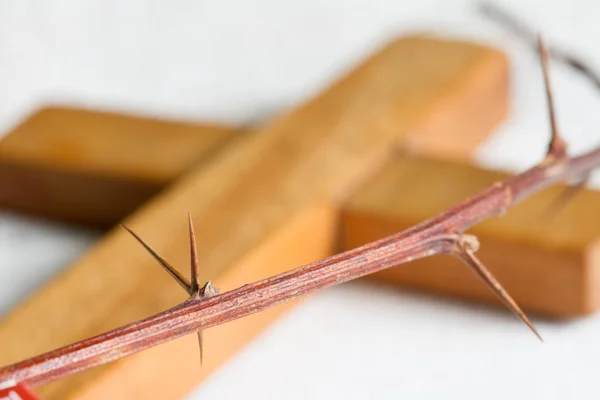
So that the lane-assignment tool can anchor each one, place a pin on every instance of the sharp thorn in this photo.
(164, 263)
(201, 347)
(195, 272)
(469, 258)
(557, 147)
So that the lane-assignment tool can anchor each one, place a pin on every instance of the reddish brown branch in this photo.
(193, 289)
(442, 234)
(526, 33)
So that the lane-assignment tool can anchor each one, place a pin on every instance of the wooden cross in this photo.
(374, 153)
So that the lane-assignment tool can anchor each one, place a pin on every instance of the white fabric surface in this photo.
(242, 61)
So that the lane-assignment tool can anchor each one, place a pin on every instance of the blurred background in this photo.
(241, 62)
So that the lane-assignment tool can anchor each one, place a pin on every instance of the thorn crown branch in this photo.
(441, 234)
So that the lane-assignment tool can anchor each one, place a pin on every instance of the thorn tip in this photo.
(469, 258)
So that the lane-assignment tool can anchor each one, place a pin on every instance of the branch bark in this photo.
(442, 234)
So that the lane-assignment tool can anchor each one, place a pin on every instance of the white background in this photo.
(239, 61)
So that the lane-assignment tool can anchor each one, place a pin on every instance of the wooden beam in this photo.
(548, 263)
(257, 205)
(92, 167)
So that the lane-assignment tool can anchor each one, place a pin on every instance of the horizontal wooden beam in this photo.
(94, 168)
(549, 262)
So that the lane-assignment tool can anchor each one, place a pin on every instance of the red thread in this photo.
(18, 392)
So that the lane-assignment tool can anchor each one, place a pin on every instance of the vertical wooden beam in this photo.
(268, 193)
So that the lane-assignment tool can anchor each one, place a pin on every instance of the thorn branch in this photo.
(194, 289)
(557, 148)
(441, 234)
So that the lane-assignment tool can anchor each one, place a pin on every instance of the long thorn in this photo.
(164, 263)
(205, 292)
(557, 147)
(469, 258)
(195, 272)
(201, 346)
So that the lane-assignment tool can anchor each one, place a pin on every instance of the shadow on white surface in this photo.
(360, 341)
(32, 251)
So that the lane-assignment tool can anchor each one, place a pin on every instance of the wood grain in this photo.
(283, 178)
(95, 167)
(549, 264)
